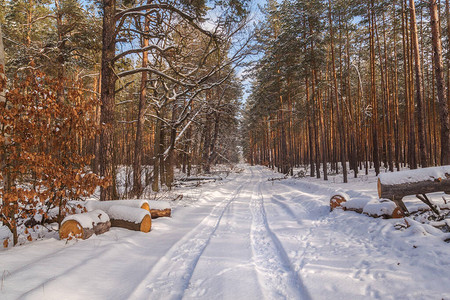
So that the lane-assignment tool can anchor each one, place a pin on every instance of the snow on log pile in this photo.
(106, 205)
(159, 208)
(132, 218)
(397, 185)
(366, 205)
(84, 225)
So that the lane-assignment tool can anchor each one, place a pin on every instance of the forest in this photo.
(95, 92)
(122, 94)
(346, 86)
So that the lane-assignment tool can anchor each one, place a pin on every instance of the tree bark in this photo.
(137, 161)
(157, 153)
(439, 74)
(107, 97)
(419, 86)
(339, 112)
(2, 68)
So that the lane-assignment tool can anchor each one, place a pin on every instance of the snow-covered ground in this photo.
(244, 237)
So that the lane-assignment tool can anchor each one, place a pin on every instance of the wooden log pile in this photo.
(395, 186)
(130, 214)
(372, 207)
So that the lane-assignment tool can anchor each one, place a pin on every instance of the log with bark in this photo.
(382, 208)
(132, 218)
(84, 225)
(395, 186)
(106, 205)
(159, 209)
(365, 205)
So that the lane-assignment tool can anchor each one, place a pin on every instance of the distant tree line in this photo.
(350, 83)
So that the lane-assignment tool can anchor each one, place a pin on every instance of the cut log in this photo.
(385, 209)
(356, 204)
(158, 213)
(131, 218)
(337, 200)
(106, 205)
(83, 226)
(395, 186)
(186, 179)
(159, 209)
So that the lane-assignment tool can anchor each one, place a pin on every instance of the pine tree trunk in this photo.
(339, 113)
(157, 153)
(438, 67)
(137, 161)
(419, 87)
(206, 145)
(107, 98)
(373, 95)
(2, 67)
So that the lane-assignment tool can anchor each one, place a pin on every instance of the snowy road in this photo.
(243, 238)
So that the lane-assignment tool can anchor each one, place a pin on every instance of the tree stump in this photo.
(83, 226)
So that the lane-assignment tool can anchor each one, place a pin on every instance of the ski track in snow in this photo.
(170, 277)
(277, 274)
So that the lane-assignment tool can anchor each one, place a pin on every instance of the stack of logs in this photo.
(393, 187)
(134, 215)
(372, 207)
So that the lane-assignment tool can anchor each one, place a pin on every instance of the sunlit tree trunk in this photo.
(440, 87)
(107, 99)
(419, 86)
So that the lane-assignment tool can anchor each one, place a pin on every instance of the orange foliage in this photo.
(39, 146)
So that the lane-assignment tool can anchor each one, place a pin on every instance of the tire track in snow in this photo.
(278, 276)
(170, 276)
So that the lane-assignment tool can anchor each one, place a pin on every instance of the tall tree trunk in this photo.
(438, 66)
(339, 112)
(419, 87)
(310, 133)
(61, 45)
(137, 161)
(157, 153)
(373, 95)
(2, 68)
(107, 99)
(206, 144)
